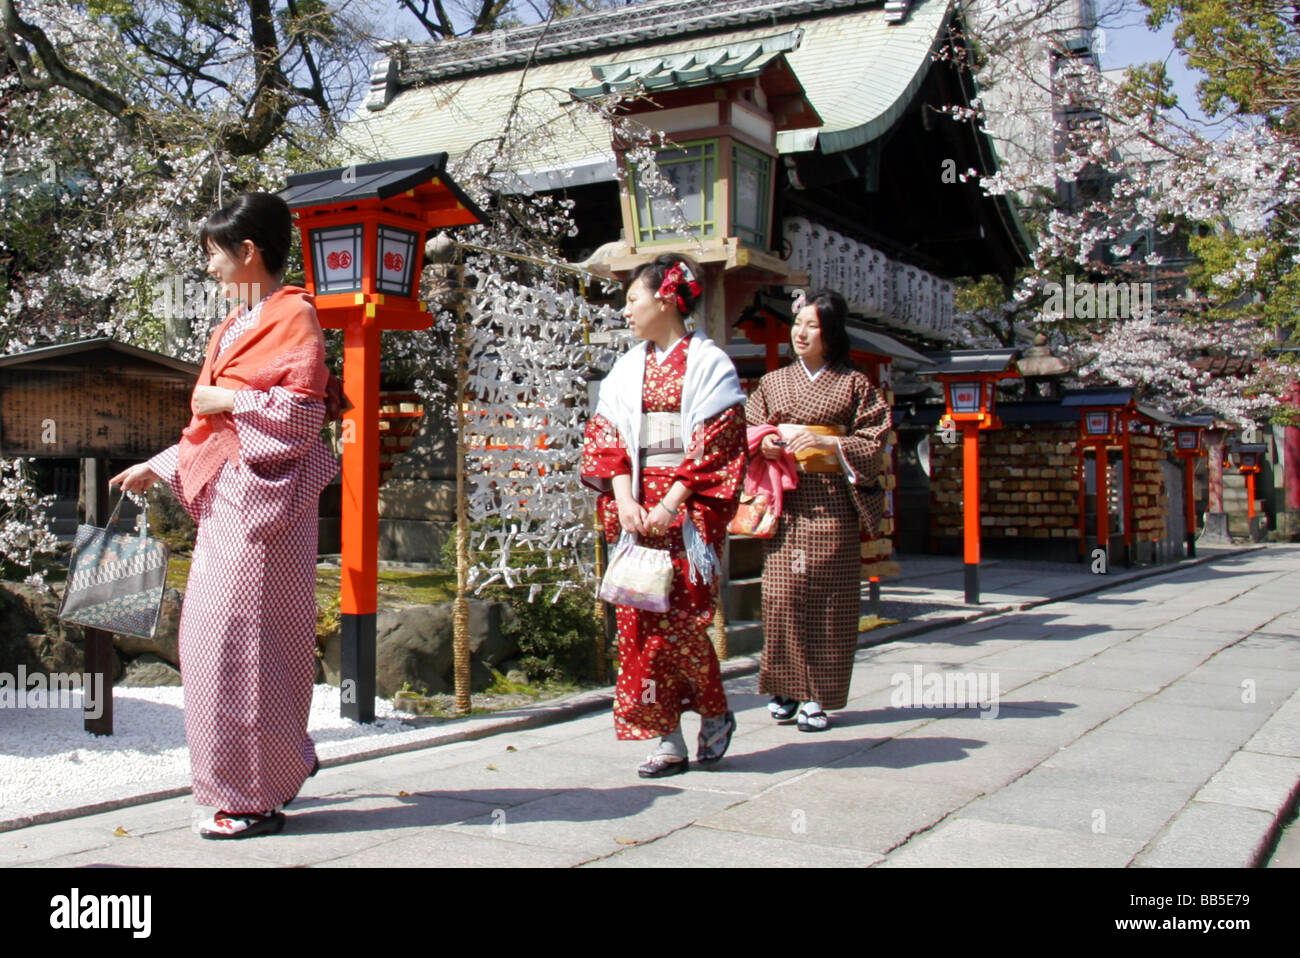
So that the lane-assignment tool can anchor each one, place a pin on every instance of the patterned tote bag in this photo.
(637, 576)
(115, 580)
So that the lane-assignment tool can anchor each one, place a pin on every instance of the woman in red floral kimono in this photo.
(249, 468)
(666, 451)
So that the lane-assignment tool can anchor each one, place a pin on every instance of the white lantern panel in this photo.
(337, 259)
(397, 256)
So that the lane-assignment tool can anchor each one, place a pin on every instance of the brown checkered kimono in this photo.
(812, 566)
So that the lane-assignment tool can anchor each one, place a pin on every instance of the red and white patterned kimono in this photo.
(248, 624)
(667, 664)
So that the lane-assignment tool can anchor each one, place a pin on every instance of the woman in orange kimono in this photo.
(249, 469)
(666, 451)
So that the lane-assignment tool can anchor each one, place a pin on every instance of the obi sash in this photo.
(661, 440)
(812, 460)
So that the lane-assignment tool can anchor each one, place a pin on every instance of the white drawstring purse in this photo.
(637, 576)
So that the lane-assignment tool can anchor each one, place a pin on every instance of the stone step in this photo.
(744, 599)
(744, 637)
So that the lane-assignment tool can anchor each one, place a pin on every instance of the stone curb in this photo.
(584, 703)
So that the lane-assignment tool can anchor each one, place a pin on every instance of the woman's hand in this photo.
(805, 439)
(659, 519)
(208, 400)
(769, 448)
(137, 478)
(631, 515)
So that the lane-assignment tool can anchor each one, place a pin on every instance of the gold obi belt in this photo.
(813, 460)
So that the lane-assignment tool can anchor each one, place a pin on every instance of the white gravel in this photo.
(47, 760)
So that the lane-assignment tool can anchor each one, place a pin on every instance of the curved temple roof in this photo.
(859, 62)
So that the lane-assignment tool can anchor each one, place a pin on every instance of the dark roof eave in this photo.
(105, 343)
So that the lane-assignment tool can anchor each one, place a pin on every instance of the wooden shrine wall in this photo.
(117, 413)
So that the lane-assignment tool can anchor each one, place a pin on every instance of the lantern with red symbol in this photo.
(363, 232)
(969, 378)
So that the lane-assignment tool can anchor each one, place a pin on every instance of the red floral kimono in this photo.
(667, 665)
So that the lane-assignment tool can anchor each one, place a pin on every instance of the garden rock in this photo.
(487, 623)
(414, 647)
(150, 670)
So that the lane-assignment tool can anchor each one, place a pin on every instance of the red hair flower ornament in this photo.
(679, 275)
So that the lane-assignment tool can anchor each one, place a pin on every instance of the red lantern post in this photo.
(969, 380)
(1104, 416)
(1187, 446)
(363, 233)
(1247, 458)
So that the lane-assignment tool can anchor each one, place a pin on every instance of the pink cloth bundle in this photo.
(768, 477)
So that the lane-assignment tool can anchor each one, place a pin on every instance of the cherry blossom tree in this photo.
(1117, 179)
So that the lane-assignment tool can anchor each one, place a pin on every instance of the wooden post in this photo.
(1189, 505)
(98, 700)
(460, 609)
(970, 442)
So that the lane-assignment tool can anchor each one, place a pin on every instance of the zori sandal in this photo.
(247, 825)
(782, 709)
(715, 738)
(661, 765)
(813, 721)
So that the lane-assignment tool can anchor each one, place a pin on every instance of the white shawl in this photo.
(710, 387)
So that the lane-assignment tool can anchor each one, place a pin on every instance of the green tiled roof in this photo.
(692, 68)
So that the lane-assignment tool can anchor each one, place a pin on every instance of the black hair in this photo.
(832, 316)
(654, 272)
(263, 218)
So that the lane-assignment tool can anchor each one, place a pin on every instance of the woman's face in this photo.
(648, 317)
(230, 269)
(806, 337)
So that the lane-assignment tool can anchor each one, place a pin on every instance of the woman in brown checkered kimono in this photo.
(832, 420)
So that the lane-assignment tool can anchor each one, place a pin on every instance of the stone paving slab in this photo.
(1144, 756)
(852, 812)
(1253, 780)
(969, 842)
(593, 822)
(701, 846)
(1159, 718)
(1209, 835)
(1085, 802)
(338, 828)
(940, 759)
(1281, 736)
(444, 848)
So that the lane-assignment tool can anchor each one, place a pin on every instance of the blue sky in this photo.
(1128, 40)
